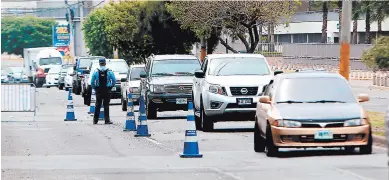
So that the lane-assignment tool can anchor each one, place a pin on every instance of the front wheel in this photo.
(259, 141)
(367, 149)
(124, 104)
(271, 150)
(151, 111)
(60, 86)
(207, 121)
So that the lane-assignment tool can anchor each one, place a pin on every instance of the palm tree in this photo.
(356, 12)
(324, 26)
(381, 10)
(367, 9)
(340, 4)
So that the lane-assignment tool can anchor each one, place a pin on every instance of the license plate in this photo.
(181, 101)
(113, 88)
(134, 96)
(244, 101)
(323, 135)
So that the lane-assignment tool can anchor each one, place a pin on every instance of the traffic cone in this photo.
(92, 102)
(70, 108)
(142, 129)
(101, 115)
(191, 146)
(130, 124)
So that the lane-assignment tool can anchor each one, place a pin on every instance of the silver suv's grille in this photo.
(244, 91)
(174, 89)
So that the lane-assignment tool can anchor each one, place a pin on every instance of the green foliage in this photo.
(18, 33)
(378, 55)
(139, 28)
(95, 35)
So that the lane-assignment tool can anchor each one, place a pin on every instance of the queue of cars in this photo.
(304, 109)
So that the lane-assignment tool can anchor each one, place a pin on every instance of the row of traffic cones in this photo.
(191, 147)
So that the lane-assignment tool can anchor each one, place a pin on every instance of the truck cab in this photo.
(46, 59)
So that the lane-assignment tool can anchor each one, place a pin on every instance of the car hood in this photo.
(119, 76)
(319, 111)
(172, 80)
(239, 80)
(17, 75)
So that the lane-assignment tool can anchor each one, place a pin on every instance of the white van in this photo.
(46, 59)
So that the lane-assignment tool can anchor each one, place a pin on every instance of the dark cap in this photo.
(102, 60)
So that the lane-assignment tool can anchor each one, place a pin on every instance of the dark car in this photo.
(312, 109)
(168, 84)
(81, 69)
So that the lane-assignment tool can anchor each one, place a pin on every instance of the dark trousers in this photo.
(103, 97)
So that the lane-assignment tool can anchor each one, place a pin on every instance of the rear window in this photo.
(175, 67)
(50, 61)
(135, 73)
(85, 62)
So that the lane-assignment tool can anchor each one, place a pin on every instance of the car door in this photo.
(197, 85)
(264, 108)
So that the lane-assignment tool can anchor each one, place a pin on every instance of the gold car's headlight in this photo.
(287, 123)
(354, 122)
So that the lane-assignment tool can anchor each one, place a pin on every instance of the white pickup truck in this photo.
(131, 84)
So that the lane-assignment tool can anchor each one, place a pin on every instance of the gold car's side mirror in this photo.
(363, 97)
(264, 99)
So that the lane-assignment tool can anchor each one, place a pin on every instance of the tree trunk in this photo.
(379, 16)
(324, 27)
(203, 51)
(260, 38)
(379, 24)
(367, 20)
(340, 4)
(355, 32)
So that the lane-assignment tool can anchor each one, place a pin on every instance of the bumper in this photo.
(304, 137)
(51, 83)
(116, 94)
(135, 97)
(216, 104)
(68, 84)
(168, 102)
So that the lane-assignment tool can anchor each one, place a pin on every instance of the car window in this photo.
(70, 71)
(230, 66)
(118, 66)
(310, 89)
(16, 69)
(135, 73)
(204, 65)
(55, 69)
(268, 87)
(50, 61)
(175, 67)
(85, 62)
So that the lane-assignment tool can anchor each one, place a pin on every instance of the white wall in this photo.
(315, 27)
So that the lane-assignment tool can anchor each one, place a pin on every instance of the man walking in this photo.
(102, 81)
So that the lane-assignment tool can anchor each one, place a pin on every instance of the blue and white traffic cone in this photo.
(101, 115)
(70, 108)
(92, 102)
(130, 124)
(191, 145)
(142, 129)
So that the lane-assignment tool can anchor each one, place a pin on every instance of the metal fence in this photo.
(20, 97)
(311, 54)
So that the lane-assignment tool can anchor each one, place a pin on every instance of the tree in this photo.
(324, 25)
(366, 8)
(234, 18)
(356, 12)
(380, 11)
(378, 55)
(18, 33)
(95, 35)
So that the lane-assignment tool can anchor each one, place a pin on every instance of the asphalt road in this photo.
(50, 148)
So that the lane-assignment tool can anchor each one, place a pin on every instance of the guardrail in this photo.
(381, 79)
(20, 97)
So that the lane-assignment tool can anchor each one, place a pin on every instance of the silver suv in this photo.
(228, 84)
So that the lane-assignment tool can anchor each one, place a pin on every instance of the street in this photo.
(50, 148)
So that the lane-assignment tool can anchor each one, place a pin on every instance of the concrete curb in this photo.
(380, 140)
(380, 87)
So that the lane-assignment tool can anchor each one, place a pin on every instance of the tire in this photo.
(124, 105)
(197, 119)
(367, 149)
(38, 83)
(207, 121)
(271, 150)
(259, 141)
(47, 86)
(87, 99)
(77, 90)
(66, 89)
(151, 112)
(60, 87)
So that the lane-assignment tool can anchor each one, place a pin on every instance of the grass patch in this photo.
(377, 122)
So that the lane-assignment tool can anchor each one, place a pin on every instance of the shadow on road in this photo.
(312, 152)
(232, 130)
(170, 118)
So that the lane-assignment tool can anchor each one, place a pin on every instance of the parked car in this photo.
(299, 110)
(62, 75)
(52, 77)
(68, 83)
(168, 83)
(118, 66)
(131, 84)
(227, 87)
(4, 78)
(16, 75)
(81, 66)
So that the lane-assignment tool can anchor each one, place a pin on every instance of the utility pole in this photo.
(344, 65)
(70, 21)
(81, 23)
